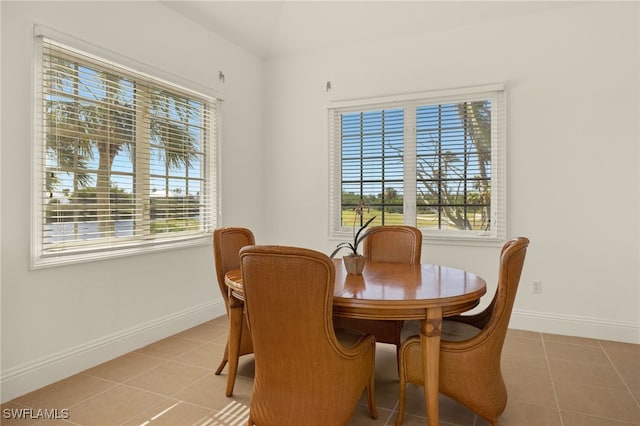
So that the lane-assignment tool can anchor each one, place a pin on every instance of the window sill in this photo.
(49, 261)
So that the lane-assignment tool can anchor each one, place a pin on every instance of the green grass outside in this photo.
(174, 225)
(424, 221)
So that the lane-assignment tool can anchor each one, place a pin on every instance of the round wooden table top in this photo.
(404, 291)
(395, 290)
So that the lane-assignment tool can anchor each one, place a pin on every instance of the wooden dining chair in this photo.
(471, 346)
(305, 372)
(227, 243)
(391, 244)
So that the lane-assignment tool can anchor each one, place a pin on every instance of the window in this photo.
(431, 160)
(123, 162)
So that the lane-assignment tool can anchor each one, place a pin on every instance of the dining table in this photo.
(390, 291)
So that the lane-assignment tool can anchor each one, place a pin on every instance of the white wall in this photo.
(59, 321)
(573, 158)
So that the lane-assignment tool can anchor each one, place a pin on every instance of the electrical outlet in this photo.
(536, 287)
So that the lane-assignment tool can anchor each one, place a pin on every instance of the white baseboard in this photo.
(33, 375)
(36, 374)
(568, 325)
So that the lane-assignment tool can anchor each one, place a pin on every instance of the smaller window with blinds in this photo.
(431, 160)
(124, 162)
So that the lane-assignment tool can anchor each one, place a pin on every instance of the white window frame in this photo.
(495, 92)
(83, 252)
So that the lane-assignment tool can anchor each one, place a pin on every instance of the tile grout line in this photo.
(618, 373)
(86, 372)
(175, 398)
(553, 382)
(391, 413)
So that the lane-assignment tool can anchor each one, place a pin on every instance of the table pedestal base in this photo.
(430, 332)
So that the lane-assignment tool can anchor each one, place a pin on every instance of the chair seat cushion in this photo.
(452, 331)
(348, 337)
(455, 331)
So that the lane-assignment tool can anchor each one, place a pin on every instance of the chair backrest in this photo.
(494, 320)
(300, 367)
(289, 302)
(227, 243)
(394, 244)
(511, 264)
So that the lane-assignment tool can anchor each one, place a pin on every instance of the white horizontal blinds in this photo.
(178, 163)
(372, 165)
(498, 164)
(454, 165)
(433, 159)
(125, 158)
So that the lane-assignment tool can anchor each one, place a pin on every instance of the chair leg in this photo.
(225, 357)
(235, 337)
(403, 388)
(400, 417)
(223, 363)
(371, 397)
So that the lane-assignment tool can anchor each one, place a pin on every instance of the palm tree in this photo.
(477, 118)
(444, 174)
(98, 117)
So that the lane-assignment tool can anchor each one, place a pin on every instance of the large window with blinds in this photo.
(431, 160)
(124, 161)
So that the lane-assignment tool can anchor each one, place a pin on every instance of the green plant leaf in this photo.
(357, 239)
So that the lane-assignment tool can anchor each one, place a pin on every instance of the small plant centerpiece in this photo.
(354, 261)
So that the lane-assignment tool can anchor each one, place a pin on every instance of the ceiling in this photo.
(279, 28)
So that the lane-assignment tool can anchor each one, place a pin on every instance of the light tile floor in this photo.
(552, 381)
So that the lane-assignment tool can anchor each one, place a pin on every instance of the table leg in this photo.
(235, 335)
(430, 331)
